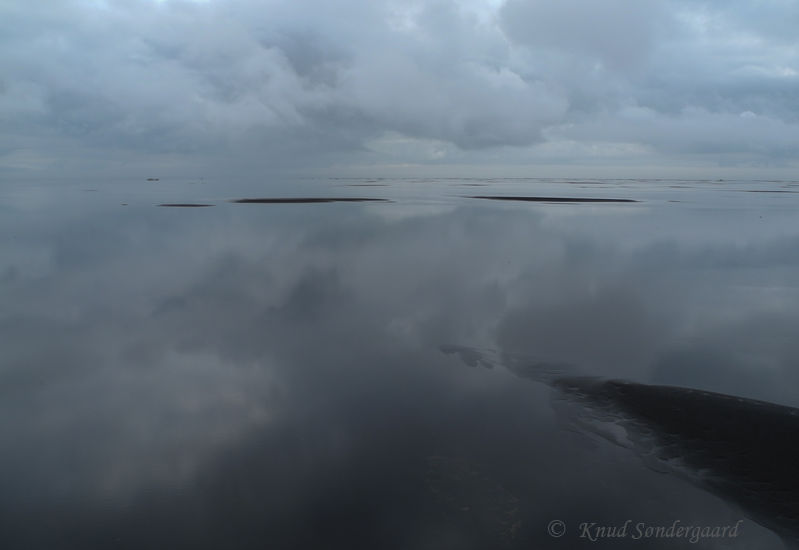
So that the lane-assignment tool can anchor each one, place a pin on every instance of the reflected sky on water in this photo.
(268, 374)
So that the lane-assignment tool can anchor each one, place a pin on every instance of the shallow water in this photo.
(267, 372)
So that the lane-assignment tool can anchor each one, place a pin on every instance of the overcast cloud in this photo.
(521, 87)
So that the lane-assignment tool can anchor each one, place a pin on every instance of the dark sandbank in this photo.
(547, 199)
(742, 450)
(584, 182)
(769, 191)
(300, 200)
(185, 205)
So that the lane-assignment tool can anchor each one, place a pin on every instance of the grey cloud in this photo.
(689, 79)
(772, 20)
(242, 86)
(618, 34)
(744, 136)
(182, 78)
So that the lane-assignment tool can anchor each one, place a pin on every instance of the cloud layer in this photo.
(240, 85)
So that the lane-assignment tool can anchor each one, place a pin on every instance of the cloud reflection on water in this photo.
(191, 377)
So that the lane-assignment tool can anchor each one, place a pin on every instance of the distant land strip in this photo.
(292, 200)
(185, 205)
(769, 191)
(547, 199)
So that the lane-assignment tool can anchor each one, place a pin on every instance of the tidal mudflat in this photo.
(188, 377)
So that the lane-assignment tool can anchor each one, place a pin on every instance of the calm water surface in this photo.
(269, 374)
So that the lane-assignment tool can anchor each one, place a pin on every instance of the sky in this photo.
(243, 88)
